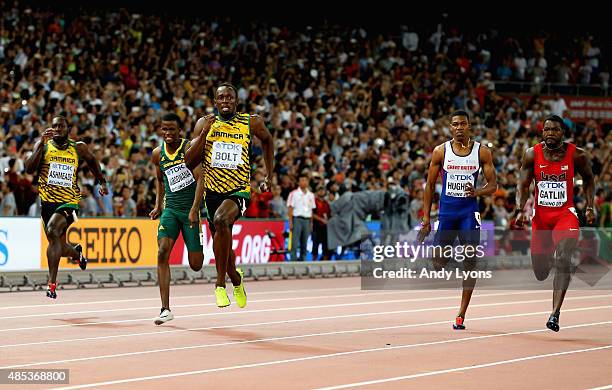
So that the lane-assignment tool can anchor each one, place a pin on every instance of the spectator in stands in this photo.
(500, 213)
(88, 205)
(278, 206)
(128, 204)
(8, 205)
(35, 208)
(416, 208)
(105, 203)
(328, 92)
(558, 105)
(321, 215)
(300, 203)
(259, 206)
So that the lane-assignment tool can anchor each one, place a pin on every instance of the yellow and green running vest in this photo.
(227, 156)
(57, 181)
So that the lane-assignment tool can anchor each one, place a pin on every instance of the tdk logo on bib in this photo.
(551, 185)
(460, 177)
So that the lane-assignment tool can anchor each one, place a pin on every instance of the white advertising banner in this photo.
(19, 244)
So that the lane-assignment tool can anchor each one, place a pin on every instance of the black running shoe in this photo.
(553, 322)
(82, 259)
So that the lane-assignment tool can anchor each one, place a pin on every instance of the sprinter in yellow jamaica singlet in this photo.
(56, 160)
(223, 146)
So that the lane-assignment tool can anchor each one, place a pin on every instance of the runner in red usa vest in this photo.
(555, 228)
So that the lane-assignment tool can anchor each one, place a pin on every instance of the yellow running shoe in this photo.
(239, 293)
(221, 296)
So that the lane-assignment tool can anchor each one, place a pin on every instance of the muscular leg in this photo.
(541, 264)
(563, 254)
(541, 256)
(55, 232)
(441, 240)
(468, 287)
(224, 218)
(196, 259)
(469, 236)
(439, 263)
(195, 252)
(163, 269)
(231, 268)
(68, 250)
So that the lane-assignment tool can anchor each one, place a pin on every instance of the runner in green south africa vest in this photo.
(177, 204)
(179, 183)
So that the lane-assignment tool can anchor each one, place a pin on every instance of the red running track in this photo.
(305, 334)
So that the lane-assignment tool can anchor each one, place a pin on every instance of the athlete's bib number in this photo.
(552, 193)
(179, 177)
(456, 184)
(60, 174)
(226, 155)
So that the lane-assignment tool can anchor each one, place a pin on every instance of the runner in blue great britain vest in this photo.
(460, 161)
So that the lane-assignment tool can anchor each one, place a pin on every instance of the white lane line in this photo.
(602, 388)
(308, 319)
(226, 313)
(263, 340)
(466, 368)
(333, 355)
(336, 296)
(47, 305)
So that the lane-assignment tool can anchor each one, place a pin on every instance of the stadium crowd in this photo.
(354, 107)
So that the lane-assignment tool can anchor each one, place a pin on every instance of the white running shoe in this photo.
(164, 316)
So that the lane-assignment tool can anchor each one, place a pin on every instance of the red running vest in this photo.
(554, 188)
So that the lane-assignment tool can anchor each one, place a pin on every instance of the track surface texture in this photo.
(309, 334)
